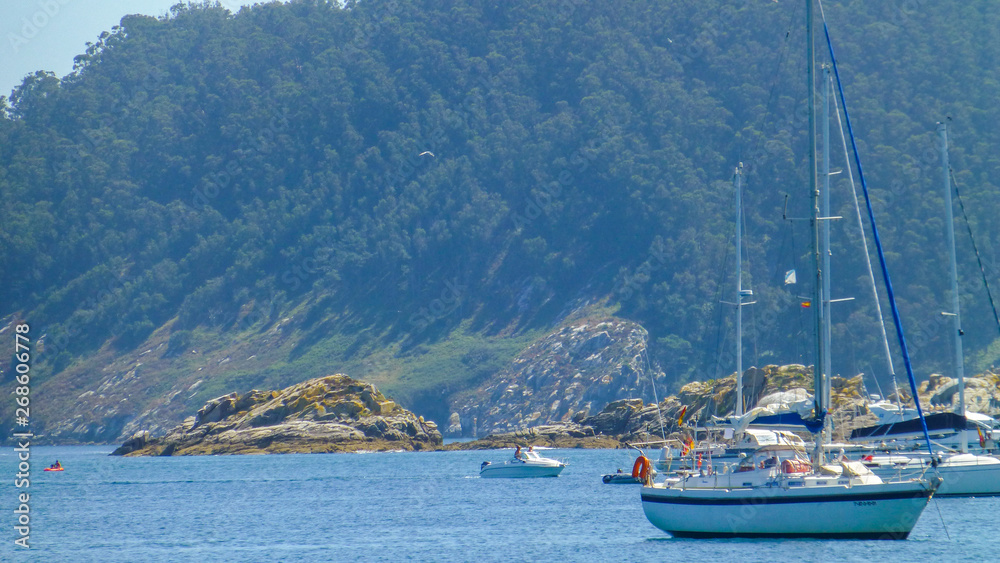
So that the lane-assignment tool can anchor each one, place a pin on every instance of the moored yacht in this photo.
(767, 496)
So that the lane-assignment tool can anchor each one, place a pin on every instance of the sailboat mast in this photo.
(818, 400)
(955, 313)
(826, 304)
(739, 292)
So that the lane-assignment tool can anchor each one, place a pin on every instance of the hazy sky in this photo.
(47, 34)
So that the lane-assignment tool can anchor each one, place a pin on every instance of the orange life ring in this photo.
(640, 469)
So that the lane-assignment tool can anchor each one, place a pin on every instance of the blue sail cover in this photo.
(941, 422)
(789, 419)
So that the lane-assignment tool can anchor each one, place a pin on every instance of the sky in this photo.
(47, 34)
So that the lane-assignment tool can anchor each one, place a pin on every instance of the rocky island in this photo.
(328, 414)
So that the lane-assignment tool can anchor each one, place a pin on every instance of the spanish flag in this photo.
(688, 446)
(806, 304)
(680, 419)
(982, 439)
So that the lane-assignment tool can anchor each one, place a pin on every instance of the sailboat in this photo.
(963, 473)
(766, 496)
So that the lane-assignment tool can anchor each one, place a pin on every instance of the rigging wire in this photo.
(875, 236)
(982, 269)
(864, 241)
(753, 158)
(753, 310)
(719, 337)
(652, 382)
(773, 87)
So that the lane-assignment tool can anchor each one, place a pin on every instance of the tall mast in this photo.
(955, 313)
(739, 292)
(827, 301)
(818, 401)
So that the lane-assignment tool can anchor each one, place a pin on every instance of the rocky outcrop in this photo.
(982, 393)
(327, 414)
(633, 420)
(562, 435)
(564, 377)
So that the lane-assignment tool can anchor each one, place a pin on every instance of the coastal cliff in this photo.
(328, 414)
(563, 378)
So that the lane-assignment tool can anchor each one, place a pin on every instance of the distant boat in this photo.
(642, 470)
(529, 464)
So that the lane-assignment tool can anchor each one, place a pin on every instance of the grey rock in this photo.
(299, 418)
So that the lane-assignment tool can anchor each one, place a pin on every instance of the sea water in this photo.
(423, 506)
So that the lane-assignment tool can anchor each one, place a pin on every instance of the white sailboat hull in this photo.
(961, 474)
(882, 511)
(969, 480)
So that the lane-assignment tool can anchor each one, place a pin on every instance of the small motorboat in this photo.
(620, 479)
(527, 464)
(641, 469)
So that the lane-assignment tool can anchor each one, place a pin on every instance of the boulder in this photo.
(136, 442)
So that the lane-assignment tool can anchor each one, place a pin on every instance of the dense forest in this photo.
(410, 168)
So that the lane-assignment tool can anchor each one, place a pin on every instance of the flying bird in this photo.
(426, 152)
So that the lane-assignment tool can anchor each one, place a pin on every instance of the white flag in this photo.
(789, 277)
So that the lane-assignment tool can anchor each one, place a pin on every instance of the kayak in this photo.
(53, 469)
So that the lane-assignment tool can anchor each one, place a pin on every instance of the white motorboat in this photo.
(528, 464)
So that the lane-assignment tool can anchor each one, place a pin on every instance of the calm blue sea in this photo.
(398, 507)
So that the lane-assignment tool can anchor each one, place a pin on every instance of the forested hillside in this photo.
(412, 191)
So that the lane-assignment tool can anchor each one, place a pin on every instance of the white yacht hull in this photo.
(961, 474)
(882, 511)
(969, 480)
